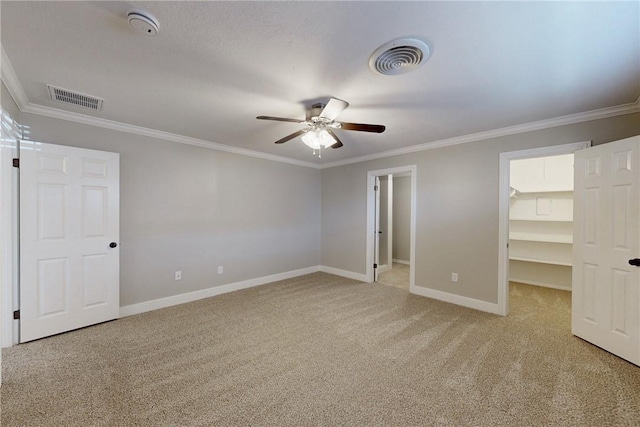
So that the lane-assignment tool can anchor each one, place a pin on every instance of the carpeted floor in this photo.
(398, 276)
(323, 350)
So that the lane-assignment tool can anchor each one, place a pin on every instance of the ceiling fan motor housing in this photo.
(315, 110)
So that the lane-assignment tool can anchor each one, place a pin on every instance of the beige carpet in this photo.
(322, 350)
(398, 276)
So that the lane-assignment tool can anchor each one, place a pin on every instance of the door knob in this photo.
(635, 261)
(113, 244)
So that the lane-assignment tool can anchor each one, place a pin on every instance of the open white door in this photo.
(606, 294)
(376, 239)
(69, 232)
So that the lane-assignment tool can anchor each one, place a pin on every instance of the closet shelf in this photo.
(540, 237)
(544, 191)
(541, 261)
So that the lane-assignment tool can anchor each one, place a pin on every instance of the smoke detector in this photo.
(143, 22)
(399, 56)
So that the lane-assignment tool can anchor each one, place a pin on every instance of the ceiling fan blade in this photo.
(293, 135)
(362, 127)
(279, 119)
(334, 107)
(338, 143)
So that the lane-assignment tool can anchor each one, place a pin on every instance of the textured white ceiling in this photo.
(215, 66)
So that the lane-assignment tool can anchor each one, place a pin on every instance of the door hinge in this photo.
(16, 163)
(375, 188)
(375, 265)
(16, 315)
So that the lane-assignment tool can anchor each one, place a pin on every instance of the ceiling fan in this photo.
(320, 122)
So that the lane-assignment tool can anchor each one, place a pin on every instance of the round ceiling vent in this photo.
(143, 22)
(399, 56)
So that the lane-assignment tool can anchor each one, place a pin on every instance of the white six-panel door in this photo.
(69, 217)
(606, 294)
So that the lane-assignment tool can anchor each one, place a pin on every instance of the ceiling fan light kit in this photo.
(399, 56)
(317, 139)
(320, 119)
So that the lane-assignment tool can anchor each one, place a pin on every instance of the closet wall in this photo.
(541, 221)
(401, 219)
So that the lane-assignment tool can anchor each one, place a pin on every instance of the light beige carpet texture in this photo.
(398, 276)
(323, 350)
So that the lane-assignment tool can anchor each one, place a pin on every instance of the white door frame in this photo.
(9, 261)
(387, 233)
(376, 227)
(389, 225)
(371, 175)
(503, 209)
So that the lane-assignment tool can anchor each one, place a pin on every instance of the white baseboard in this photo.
(477, 304)
(156, 304)
(544, 285)
(344, 273)
(401, 261)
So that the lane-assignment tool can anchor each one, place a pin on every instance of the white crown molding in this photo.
(601, 113)
(56, 113)
(11, 81)
(19, 96)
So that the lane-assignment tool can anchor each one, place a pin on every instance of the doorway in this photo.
(394, 231)
(391, 228)
(533, 244)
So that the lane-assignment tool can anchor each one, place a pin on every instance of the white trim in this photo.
(602, 113)
(344, 273)
(542, 284)
(11, 81)
(19, 96)
(55, 113)
(9, 268)
(477, 304)
(401, 261)
(389, 222)
(156, 304)
(503, 210)
(371, 175)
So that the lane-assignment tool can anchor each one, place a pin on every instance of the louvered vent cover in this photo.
(399, 56)
(75, 98)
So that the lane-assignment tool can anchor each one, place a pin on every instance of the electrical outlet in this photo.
(220, 269)
(454, 277)
(178, 275)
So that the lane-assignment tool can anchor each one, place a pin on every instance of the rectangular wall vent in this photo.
(75, 98)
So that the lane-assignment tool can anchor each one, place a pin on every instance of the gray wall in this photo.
(401, 218)
(457, 205)
(192, 209)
